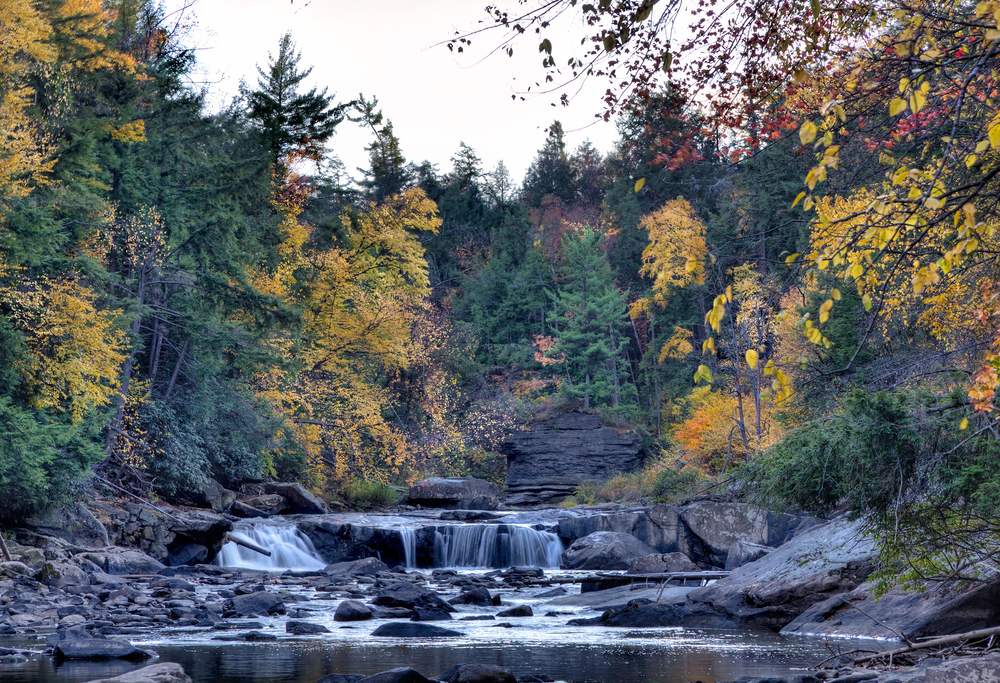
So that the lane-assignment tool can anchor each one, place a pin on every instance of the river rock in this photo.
(769, 593)
(260, 602)
(15, 569)
(338, 541)
(967, 670)
(98, 648)
(199, 527)
(304, 628)
(271, 503)
(662, 563)
(411, 629)
(118, 561)
(720, 524)
(300, 500)
(164, 672)
(935, 610)
(744, 552)
(475, 596)
(550, 460)
(62, 574)
(404, 594)
(458, 493)
(241, 509)
(71, 522)
(477, 673)
(369, 566)
(341, 678)
(352, 610)
(519, 611)
(400, 675)
(605, 550)
(188, 554)
(429, 614)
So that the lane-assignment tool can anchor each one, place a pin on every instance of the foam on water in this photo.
(290, 549)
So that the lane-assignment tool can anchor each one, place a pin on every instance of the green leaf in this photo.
(814, 4)
(545, 46)
(703, 374)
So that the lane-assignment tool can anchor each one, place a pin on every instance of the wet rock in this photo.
(744, 552)
(260, 602)
(247, 511)
(620, 596)
(340, 678)
(410, 629)
(973, 670)
(199, 527)
(368, 566)
(554, 456)
(432, 614)
(300, 500)
(605, 550)
(404, 594)
(352, 610)
(400, 675)
(62, 574)
(477, 673)
(643, 614)
(304, 628)
(554, 593)
(188, 554)
(258, 637)
(479, 617)
(522, 573)
(99, 648)
(519, 611)
(465, 493)
(662, 563)
(165, 672)
(337, 541)
(392, 613)
(476, 596)
(771, 592)
(72, 522)
(118, 561)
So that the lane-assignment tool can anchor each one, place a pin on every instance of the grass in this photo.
(666, 480)
(362, 494)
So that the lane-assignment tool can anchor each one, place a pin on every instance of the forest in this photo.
(785, 279)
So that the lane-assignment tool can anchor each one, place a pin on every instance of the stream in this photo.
(542, 644)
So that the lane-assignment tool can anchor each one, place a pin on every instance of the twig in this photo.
(947, 640)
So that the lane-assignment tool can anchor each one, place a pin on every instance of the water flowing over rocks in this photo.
(551, 459)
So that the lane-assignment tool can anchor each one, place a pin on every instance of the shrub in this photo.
(368, 495)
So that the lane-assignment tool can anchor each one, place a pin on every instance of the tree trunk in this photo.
(177, 369)
(123, 388)
(4, 551)
(586, 393)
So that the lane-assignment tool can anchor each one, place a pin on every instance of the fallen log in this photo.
(944, 640)
(249, 545)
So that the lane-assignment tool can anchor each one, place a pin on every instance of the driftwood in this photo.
(229, 538)
(946, 640)
(626, 579)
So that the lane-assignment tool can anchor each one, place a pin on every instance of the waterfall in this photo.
(290, 549)
(495, 546)
(409, 538)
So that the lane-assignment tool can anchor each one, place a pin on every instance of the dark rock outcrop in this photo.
(300, 500)
(743, 552)
(366, 567)
(604, 550)
(98, 648)
(456, 493)
(214, 495)
(475, 596)
(662, 563)
(519, 611)
(260, 602)
(338, 542)
(477, 673)
(720, 524)
(403, 594)
(550, 460)
(72, 522)
(271, 503)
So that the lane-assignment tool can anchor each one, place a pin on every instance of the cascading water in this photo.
(290, 549)
(495, 546)
(409, 538)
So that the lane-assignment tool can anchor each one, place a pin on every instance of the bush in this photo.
(368, 495)
(663, 481)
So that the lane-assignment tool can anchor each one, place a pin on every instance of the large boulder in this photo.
(366, 567)
(662, 563)
(719, 524)
(769, 593)
(98, 648)
(401, 675)
(62, 574)
(477, 673)
(118, 561)
(411, 596)
(198, 527)
(352, 610)
(456, 493)
(338, 541)
(300, 500)
(260, 602)
(214, 495)
(550, 460)
(413, 629)
(937, 610)
(271, 503)
(72, 522)
(604, 550)
(165, 672)
(744, 552)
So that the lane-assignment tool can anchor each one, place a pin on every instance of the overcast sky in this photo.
(434, 98)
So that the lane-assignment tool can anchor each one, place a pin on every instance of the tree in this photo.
(468, 168)
(388, 173)
(294, 125)
(550, 173)
(591, 309)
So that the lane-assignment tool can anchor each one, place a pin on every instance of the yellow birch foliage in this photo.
(675, 256)
(75, 351)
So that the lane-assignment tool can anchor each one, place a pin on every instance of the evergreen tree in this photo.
(293, 125)
(550, 173)
(592, 309)
(388, 173)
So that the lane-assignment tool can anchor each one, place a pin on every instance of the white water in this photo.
(290, 549)
(409, 538)
(495, 546)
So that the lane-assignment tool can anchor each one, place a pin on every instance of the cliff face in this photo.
(547, 462)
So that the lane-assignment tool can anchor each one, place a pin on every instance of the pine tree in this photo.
(550, 173)
(591, 309)
(293, 125)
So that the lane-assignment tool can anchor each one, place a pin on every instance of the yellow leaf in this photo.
(993, 34)
(824, 311)
(897, 106)
(867, 301)
(964, 424)
(799, 198)
(917, 100)
(729, 293)
(994, 134)
(970, 160)
(639, 184)
(800, 76)
(981, 147)
(835, 294)
(933, 203)
(752, 359)
(807, 133)
(703, 374)
(856, 270)
(790, 259)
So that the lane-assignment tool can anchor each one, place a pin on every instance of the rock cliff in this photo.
(548, 461)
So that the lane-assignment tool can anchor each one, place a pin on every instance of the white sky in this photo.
(434, 98)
